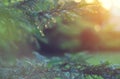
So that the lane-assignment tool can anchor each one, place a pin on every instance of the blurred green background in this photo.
(29, 26)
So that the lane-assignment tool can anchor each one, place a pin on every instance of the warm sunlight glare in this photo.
(107, 4)
(89, 1)
(117, 3)
(112, 5)
(77, 0)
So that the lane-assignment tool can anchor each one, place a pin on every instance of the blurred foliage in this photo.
(68, 67)
(14, 28)
(59, 23)
(56, 23)
(55, 27)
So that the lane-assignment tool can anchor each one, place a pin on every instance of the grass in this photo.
(112, 57)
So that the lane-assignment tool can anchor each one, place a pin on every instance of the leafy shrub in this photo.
(68, 67)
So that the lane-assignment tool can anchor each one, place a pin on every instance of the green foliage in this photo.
(14, 28)
(21, 19)
(12, 23)
(35, 16)
(66, 18)
(68, 67)
(45, 13)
